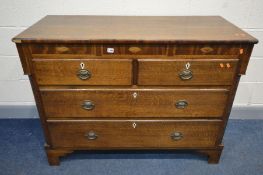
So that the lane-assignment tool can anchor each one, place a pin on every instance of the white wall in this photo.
(16, 15)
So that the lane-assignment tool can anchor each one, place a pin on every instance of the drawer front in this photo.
(83, 72)
(134, 49)
(65, 49)
(190, 103)
(134, 134)
(186, 72)
(206, 49)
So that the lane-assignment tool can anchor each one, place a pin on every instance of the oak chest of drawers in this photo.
(103, 82)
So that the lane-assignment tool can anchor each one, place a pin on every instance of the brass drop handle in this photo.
(88, 105)
(176, 136)
(83, 73)
(91, 135)
(186, 74)
(181, 104)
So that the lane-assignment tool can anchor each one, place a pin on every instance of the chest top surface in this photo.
(133, 29)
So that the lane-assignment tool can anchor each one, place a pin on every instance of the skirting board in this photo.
(27, 111)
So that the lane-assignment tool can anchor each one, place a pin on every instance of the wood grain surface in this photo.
(64, 72)
(134, 49)
(143, 29)
(204, 72)
(120, 103)
(122, 134)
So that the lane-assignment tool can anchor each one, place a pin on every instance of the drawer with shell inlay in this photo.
(206, 49)
(134, 134)
(64, 49)
(120, 49)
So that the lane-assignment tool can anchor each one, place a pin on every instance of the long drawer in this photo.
(113, 102)
(83, 72)
(186, 72)
(133, 134)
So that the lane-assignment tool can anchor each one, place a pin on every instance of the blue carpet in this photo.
(22, 153)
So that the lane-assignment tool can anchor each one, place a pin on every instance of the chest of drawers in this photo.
(103, 82)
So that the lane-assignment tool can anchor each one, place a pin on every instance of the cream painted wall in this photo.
(16, 15)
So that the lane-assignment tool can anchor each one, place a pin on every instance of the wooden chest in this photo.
(104, 82)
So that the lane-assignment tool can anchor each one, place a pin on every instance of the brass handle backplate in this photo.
(84, 74)
(88, 105)
(186, 74)
(181, 104)
(176, 136)
(91, 135)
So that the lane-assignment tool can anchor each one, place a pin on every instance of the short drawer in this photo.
(64, 49)
(191, 103)
(124, 49)
(206, 49)
(186, 72)
(83, 72)
(134, 134)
